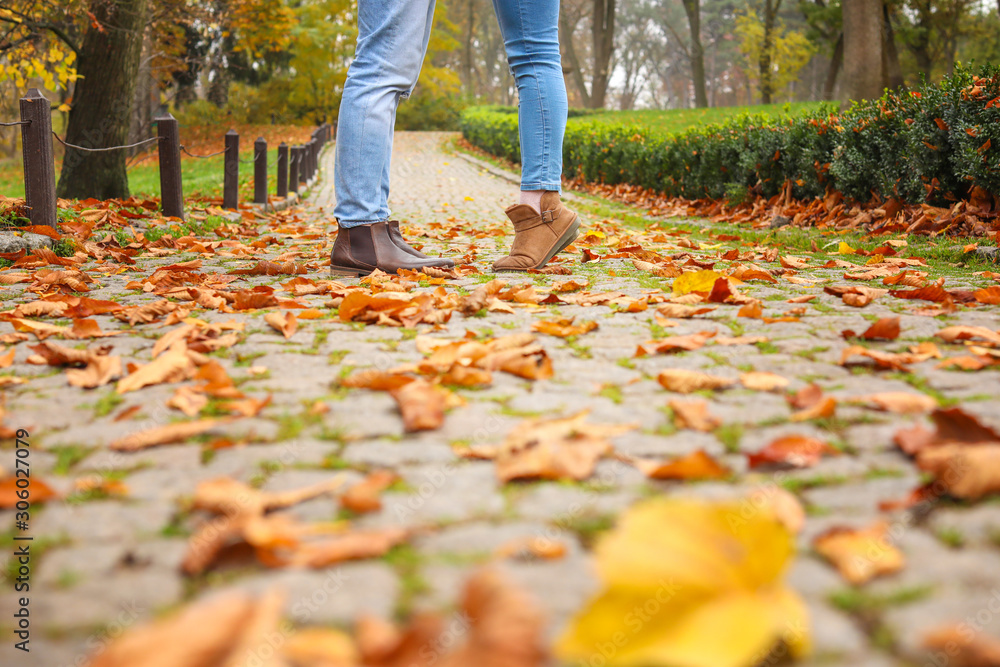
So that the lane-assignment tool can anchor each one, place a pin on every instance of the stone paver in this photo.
(102, 564)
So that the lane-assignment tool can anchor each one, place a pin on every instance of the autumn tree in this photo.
(773, 53)
(600, 15)
(863, 46)
(102, 100)
(692, 8)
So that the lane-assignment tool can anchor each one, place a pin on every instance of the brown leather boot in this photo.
(360, 250)
(539, 237)
(397, 238)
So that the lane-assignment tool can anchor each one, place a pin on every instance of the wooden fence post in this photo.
(283, 170)
(293, 170)
(171, 186)
(260, 171)
(231, 181)
(39, 164)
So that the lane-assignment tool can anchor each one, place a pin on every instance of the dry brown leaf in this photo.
(763, 381)
(797, 451)
(684, 381)
(163, 435)
(563, 448)
(824, 409)
(364, 496)
(421, 404)
(899, 402)
(967, 471)
(961, 332)
(687, 343)
(188, 401)
(175, 365)
(697, 465)
(285, 324)
(681, 311)
(860, 555)
(959, 645)
(564, 327)
(694, 415)
(886, 328)
(40, 491)
(202, 635)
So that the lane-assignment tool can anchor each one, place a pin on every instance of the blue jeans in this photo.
(392, 42)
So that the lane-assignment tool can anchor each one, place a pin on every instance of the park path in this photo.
(106, 561)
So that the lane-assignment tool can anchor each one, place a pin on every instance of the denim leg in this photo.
(392, 41)
(530, 30)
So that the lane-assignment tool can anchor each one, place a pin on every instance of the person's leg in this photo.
(392, 42)
(543, 227)
(530, 29)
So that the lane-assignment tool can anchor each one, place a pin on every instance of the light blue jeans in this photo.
(392, 42)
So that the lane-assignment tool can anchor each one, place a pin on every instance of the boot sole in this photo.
(568, 237)
(347, 271)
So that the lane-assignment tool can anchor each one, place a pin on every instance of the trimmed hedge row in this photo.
(932, 145)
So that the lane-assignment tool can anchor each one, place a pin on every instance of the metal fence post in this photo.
(231, 182)
(260, 171)
(293, 170)
(171, 187)
(39, 164)
(283, 169)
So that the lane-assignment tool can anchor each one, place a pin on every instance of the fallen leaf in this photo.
(860, 555)
(695, 281)
(562, 448)
(961, 332)
(285, 324)
(796, 451)
(711, 577)
(824, 409)
(175, 365)
(39, 491)
(564, 327)
(163, 435)
(899, 402)
(694, 415)
(684, 381)
(697, 465)
(960, 645)
(421, 404)
(364, 496)
(763, 381)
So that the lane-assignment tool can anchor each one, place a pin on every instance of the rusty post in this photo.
(283, 169)
(260, 171)
(231, 182)
(39, 165)
(171, 186)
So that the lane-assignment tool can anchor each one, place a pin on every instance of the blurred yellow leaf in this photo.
(695, 281)
(844, 249)
(707, 578)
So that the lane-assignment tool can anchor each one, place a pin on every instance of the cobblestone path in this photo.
(104, 560)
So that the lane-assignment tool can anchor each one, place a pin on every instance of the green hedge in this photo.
(932, 144)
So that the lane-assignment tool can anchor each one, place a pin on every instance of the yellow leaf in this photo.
(844, 249)
(712, 570)
(695, 281)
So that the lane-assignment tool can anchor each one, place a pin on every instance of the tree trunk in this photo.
(102, 104)
(575, 70)
(771, 8)
(693, 10)
(470, 37)
(862, 49)
(892, 71)
(836, 62)
(146, 99)
(603, 45)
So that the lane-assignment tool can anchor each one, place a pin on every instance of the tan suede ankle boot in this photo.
(539, 237)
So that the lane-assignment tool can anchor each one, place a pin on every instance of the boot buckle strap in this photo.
(547, 216)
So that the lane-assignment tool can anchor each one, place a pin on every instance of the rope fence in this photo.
(296, 165)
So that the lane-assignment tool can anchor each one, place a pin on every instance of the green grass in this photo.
(201, 178)
(679, 120)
